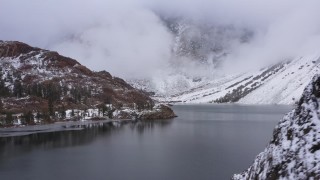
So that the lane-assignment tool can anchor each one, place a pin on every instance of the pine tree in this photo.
(63, 113)
(50, 107)
(72, 113)
(4, 91)
(9, 118)
(17, 89)
(110, 113)
(28, 117)
(46, 116)
(1, 106)
(38, 116)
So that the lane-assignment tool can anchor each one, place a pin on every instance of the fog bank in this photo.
(129, 38)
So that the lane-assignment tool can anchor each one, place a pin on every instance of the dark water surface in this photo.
(204, 142)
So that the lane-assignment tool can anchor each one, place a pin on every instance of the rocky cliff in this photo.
(294, 151)
(41, 81)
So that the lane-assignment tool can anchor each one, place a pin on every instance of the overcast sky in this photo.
(127, 38)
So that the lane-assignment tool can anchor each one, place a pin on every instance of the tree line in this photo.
(51, 91)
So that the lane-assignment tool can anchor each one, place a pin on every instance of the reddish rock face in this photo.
(14, 48)
(77, 86)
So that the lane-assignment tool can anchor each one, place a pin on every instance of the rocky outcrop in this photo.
(51, 82)
(14, 48)
(161, 112)
(28, 66)
(294, 151)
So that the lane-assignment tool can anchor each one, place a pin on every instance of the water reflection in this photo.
(142, 126)
(204, 142)
(75, 135)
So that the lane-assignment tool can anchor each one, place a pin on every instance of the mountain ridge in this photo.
(38, 81)
(281, 83)
(202, 70)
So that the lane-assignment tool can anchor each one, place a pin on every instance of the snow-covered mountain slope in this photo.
(197, 50)
(282, 83)
(203, 53)
(294, 151)
(36, 76)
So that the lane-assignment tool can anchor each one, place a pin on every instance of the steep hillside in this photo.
(41, 81)
(293, 152)
(196, 72)
(282, 83)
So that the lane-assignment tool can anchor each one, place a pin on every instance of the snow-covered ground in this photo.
(279, 84)
(293, 152)
(287, 86)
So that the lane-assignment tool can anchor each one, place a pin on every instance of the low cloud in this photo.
(130, 40)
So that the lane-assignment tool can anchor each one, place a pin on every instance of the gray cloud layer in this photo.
(128, 38)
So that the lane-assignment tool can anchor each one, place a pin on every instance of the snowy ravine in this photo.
(294, 151)
(200, 71)
(282, 83)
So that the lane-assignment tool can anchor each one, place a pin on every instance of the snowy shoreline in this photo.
(58, 126)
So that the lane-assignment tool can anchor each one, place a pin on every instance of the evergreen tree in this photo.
(9, 118)
(72, 113)
(38, 116)
(63, 113)
(4, 91)
(50, 107)
(46, 116)
(17, 89)
(1, 106)
(28, 117)
(110, 113)
(102, 109)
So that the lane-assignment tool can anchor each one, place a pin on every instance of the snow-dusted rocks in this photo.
(294, 151)
(45, 83)
(159, 111)
(29, 66)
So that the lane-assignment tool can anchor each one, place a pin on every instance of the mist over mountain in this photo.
(73, 63)
(169, 44)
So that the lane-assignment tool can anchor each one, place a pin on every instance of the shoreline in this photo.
(58, 126)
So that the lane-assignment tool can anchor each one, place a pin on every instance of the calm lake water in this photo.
(204, 142)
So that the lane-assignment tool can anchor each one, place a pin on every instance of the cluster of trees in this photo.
(106, 111)
(51, 91)
(29, 117)
(25, 118)
(57, 94)
(237, 94)
(4, 91)
(141, 105)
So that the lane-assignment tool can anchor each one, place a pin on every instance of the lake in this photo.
(204, 142)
